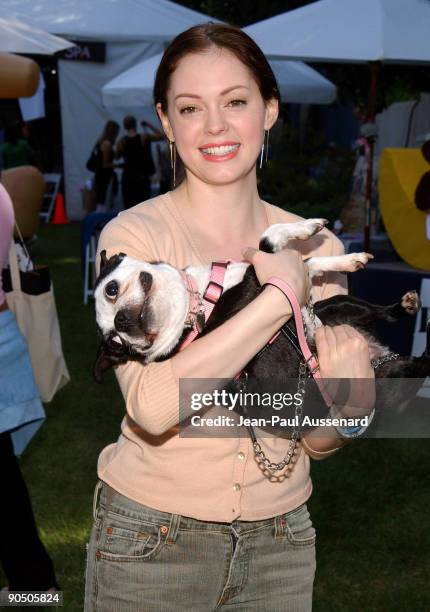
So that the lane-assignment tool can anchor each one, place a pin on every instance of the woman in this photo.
(104, 173)
(23, 557)
(193, 523)
(138, 167)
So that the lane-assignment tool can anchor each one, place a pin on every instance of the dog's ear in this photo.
(103, 259)
(108, 355)
(102, 364)
(108, 265)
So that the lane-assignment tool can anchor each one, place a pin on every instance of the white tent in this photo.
(132, 31)
(301, 84)
(19, 37)
(298, 84)
(393, 31)
(106, 20)
(374, 31)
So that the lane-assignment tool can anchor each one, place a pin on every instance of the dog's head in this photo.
(140, 310)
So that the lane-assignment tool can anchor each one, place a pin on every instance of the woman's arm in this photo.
(151, 392)
(343, 353)
(119, 148)
(155, 136)
(107, 153)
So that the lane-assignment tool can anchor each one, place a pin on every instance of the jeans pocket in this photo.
(125, 539)
(299, 528)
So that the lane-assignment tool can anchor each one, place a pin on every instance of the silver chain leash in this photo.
(269, 467)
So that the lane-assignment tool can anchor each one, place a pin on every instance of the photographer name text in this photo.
(277, 421)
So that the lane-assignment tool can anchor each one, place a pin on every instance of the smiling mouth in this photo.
(220, 151)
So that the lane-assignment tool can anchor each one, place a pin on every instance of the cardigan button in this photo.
(236, 487)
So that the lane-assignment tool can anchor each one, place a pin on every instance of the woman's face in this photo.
(216, 116)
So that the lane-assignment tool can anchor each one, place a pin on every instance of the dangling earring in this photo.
(173, 160)
(264, 146)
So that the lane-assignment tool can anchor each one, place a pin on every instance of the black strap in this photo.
(293, 339)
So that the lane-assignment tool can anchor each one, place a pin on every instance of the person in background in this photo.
(164, 168)
(23, 557)
(16, 151)
(104, 174)
(135, 149)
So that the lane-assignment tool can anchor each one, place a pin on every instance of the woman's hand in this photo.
(286, 264)
(343, 353)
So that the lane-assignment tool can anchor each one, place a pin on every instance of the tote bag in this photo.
(32, 301)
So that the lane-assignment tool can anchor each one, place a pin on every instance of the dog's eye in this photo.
(111, 289)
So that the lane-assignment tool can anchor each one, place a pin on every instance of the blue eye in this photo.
(111, 289)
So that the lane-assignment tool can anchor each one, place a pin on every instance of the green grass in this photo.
(370, 501)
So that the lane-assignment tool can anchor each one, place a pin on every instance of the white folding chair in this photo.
(52, 181)
(420, 334)
(91, 228)
(89, 267)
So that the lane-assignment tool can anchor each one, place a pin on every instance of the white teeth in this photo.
(220, 150)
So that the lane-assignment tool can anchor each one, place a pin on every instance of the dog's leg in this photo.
(276, 237)
(233, 276)
(353, 311)
(337, 263)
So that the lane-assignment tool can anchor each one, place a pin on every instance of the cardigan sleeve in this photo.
(151, 392)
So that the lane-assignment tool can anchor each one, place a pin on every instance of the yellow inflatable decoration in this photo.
(19, 76)
(400, 171)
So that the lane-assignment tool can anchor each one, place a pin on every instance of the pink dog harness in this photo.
(201, 309)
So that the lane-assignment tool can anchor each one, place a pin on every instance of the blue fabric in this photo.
(21, 411)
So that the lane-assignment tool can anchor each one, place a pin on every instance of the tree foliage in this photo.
(243, 13)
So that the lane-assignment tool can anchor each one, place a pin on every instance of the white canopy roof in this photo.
(18, 37)
(298, 83)
(105, 20)
(394, 31)
(301, 84)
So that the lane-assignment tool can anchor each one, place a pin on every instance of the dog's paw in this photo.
(309, 227)
(276, 237)
(356, 261)
(411, 302)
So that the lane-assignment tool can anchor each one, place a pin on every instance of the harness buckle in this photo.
(312, 368)
(213, 292)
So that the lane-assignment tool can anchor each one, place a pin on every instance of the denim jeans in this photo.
(144, 560)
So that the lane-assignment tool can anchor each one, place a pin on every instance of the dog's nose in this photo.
(122, 320)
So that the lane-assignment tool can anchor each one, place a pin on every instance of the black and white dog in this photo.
(142, 309)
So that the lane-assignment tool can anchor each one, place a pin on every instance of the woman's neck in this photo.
(232, 208)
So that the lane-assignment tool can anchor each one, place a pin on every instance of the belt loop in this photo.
(172, 534)
(96, 498)
(110, 494)
(279, 526)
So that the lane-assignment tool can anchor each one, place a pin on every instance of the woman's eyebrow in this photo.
(189, 95)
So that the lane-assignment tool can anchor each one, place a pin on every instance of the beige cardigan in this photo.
(208, 478)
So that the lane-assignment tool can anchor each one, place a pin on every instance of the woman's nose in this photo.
(215, 121)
